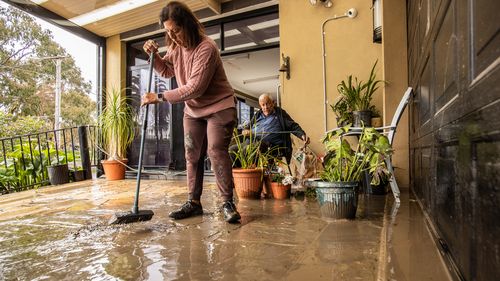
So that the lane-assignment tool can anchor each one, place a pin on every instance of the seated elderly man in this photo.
(272, 125)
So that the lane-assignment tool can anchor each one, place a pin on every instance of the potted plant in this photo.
(337, 189)
(281, 185)
(342, 112)
(118, 130)
(249, 176)
(358, 96)
(380, 177)
(58, 171)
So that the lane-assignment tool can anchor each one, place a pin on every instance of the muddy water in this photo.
(275, 240)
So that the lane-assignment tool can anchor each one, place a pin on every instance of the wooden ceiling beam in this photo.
(214, 5)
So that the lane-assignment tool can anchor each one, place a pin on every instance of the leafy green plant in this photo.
(277, 177)
(350, 92)
(26, 165)
(358, 94)
(22, 170)
(375, 111)
(347, 164)
(370, 87)
(342, 111)
(249, 153)
(117, 124)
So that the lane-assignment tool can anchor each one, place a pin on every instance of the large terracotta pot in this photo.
(248, 183)
(113, 169)
(281, 191)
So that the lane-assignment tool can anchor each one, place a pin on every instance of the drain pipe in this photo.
(351, 13)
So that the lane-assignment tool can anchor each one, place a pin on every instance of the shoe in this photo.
(231, 215)
(188, 209)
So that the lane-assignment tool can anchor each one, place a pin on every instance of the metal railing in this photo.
(24, 159)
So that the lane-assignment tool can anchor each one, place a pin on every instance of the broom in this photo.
(135, 214)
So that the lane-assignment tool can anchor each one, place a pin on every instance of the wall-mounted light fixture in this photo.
(285, 67)
(377, 21)
(326, 3)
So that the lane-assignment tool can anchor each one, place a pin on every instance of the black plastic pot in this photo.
(58, 174)
(362, 118)
(78, 175)
(338, 200)
(381, 189)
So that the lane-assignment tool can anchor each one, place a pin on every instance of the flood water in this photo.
(66, 237)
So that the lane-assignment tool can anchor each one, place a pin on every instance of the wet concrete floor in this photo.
(61, 233)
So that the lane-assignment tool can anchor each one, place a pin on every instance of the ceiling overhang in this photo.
(111, 17)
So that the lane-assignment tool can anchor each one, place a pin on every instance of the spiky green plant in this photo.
(370, 87)
(358, 94)
(249, 153)
(117, 124)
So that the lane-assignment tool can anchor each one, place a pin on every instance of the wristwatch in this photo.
(160, 97)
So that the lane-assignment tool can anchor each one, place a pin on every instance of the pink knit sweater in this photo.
(199, 72)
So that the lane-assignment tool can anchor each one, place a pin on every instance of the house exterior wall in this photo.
(349, 50)
(454, 67)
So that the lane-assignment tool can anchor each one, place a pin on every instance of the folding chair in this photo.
(389, 131)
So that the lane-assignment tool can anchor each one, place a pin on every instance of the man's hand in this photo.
(149, 98)
(306, 139)
(245, 132)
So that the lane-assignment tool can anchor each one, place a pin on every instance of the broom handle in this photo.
(135, 208)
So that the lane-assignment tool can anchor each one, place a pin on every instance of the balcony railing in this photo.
(24, 159)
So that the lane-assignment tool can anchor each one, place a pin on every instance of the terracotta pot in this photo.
(266, 187)
(281, 191)
(248, 183)
(376, 121)
(113, 169)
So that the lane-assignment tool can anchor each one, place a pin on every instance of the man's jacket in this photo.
(288, 125)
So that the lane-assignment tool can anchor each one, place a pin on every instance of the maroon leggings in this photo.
(213, 132)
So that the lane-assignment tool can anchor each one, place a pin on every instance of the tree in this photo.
(16, 126)
(27, 85)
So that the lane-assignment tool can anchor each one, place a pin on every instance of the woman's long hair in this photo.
(184, 18)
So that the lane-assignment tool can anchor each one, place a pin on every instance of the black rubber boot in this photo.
(231, 215)
(189, 209)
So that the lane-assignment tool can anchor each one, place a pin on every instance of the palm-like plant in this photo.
(117, 124)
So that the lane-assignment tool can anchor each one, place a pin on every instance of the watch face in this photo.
(160, 96)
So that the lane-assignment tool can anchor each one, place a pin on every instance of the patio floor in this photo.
(61, 233)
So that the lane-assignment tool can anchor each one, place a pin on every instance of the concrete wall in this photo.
(349, 50)
(115, 63)
(396, 73)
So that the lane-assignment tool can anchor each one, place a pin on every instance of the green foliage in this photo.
(342, 111)
(277, 177)
(117, 124)
(347, 164)
(249, 154)
(11, 125)
(357, 95)
(78, 110)
(27, 86)
(27, 165)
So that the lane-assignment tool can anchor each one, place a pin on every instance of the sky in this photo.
(83, 52)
